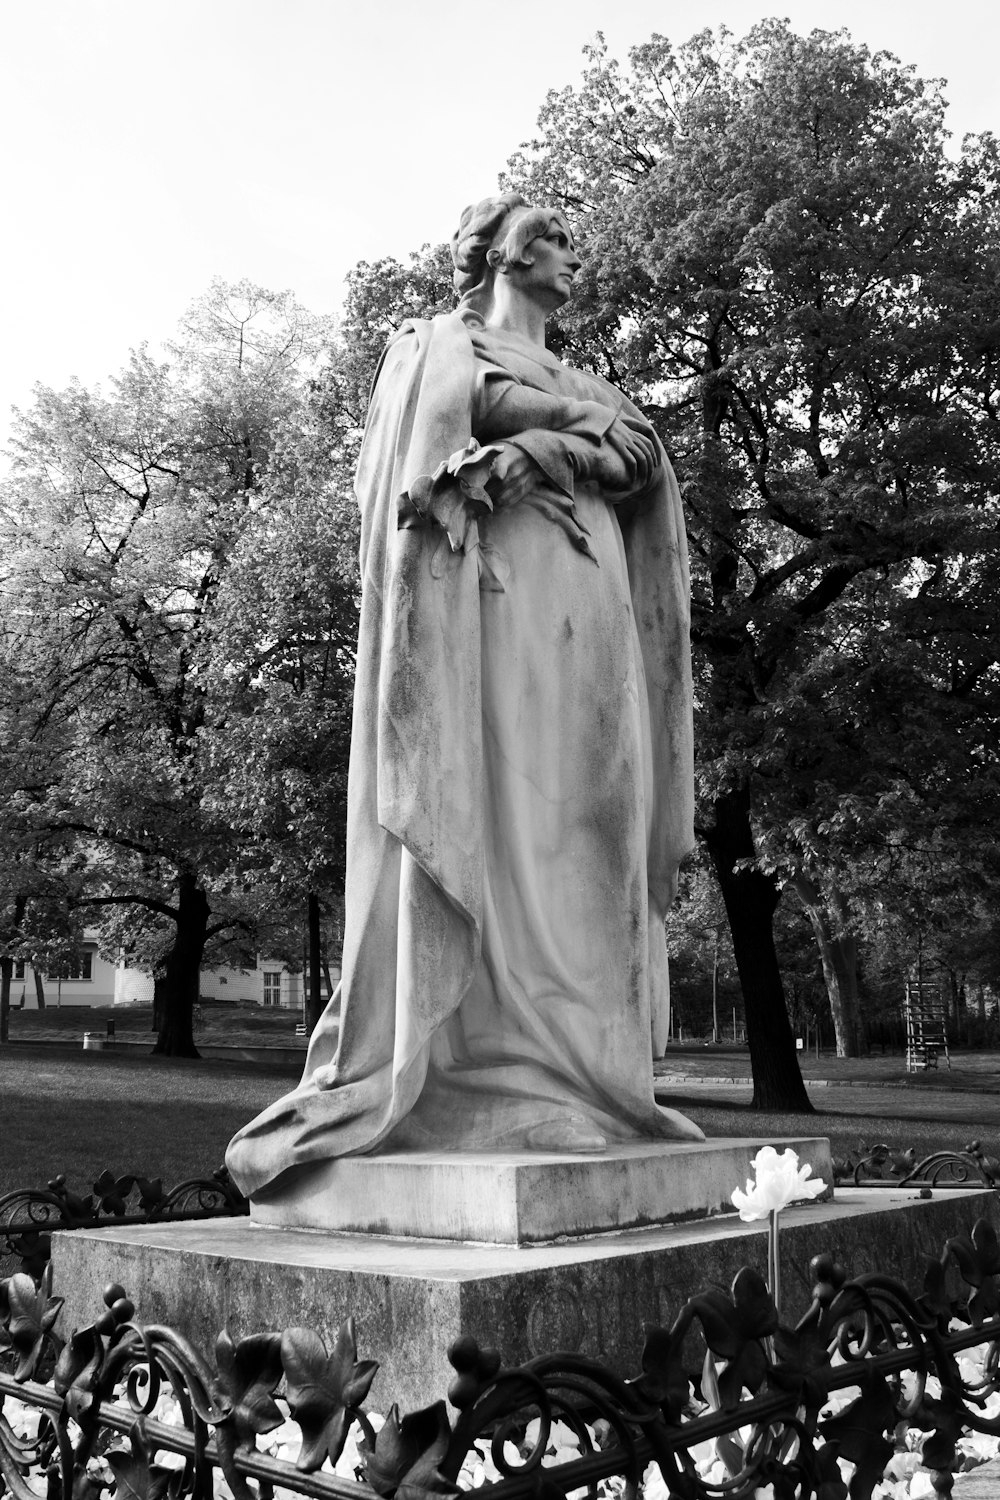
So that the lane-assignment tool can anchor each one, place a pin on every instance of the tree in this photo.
(281, 681)
(801, 286)
(702, 968)
(381, 295)
(36, 920)
(878, 786)
(119, 521)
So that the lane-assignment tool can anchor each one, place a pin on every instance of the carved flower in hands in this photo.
(778, 1180)
(454, 496)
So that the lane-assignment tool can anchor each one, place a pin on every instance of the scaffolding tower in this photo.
(926, 1036)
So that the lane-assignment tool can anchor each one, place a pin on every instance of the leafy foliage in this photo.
(783, 261)
(180, 599)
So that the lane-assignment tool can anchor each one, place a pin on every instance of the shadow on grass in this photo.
(76, 1113)
(215, 1021)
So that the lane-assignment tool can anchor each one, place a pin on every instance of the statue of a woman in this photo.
(520, 787)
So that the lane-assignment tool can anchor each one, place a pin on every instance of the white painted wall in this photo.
(99, 989)
(118, 984)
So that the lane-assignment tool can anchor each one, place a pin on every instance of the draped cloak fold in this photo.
(472, 738)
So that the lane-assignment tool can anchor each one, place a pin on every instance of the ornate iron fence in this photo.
(886, 1166)
(725, 1373)
(28, 1216)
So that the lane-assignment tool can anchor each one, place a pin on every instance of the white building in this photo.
(86, 979)
(90, 980)
(268, 983)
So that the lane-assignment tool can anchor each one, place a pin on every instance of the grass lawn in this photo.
(215, 1021)
(927, 1122)
(78, 1112)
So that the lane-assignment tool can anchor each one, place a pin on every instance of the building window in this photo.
(19, 968)
(272, 989)
(76, 966)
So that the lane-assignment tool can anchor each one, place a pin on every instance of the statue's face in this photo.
(554, 263)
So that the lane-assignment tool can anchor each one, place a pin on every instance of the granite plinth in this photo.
(523, 1198)
(410, 1298)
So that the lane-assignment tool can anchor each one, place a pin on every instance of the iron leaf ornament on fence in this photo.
(885, 1166)
(28, 1216)
(773, 1402)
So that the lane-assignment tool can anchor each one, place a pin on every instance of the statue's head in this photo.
(494, 236)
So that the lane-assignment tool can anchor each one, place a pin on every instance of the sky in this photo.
(154, 144)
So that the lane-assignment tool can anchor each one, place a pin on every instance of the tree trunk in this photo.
(182, 972)
(7, 970)
(39, 986)
(751, 899)
(838, 951)
(159, 994)
(6, 975)
(314, 1000)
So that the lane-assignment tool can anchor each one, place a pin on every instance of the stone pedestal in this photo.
(581, 1254)
(411, 1298)
(527, 1197)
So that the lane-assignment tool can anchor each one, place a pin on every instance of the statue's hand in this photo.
(635, 449)
(514, 475)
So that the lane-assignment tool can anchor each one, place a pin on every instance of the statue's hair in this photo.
(480, 230)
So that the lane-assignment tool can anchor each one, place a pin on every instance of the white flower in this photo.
(350, 1459)
(283, 1441)
(902, 1466)
(653, 1485)
(779, 1181)
(168, 1460)
(977, 1448)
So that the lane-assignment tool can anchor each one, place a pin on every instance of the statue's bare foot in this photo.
(573, 1133)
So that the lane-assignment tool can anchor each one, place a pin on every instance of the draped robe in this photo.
(520, 786)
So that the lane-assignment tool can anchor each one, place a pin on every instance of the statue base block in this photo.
(523, 1198)
(411, 1298)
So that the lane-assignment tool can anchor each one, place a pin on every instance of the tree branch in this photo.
(148, 902)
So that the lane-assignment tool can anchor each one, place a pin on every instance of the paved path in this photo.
(702, 1071)
(970, 1072)
(876, 1094)
(884, 1109)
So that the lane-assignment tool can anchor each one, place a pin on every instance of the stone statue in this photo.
(520, 787)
